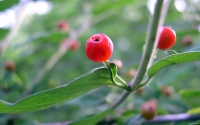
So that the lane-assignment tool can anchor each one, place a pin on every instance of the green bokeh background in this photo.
(126, 23)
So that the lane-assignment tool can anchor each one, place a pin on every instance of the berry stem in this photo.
(121, 84)
(144, 83)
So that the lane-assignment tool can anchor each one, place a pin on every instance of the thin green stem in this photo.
(121, 84)
(121, 80)
(121, 98)
(146, 81)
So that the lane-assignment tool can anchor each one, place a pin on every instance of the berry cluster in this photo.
(99, 47)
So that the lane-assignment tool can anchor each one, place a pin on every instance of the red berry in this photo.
(167, 38)
(187, 41)
(166, 91)
(72, 44)
(10, 66)
(148, 109)
(62, 25)
(130, 73)
(99, 48)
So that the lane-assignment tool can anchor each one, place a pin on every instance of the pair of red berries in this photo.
(99, 47)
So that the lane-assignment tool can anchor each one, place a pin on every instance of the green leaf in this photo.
(42, 100)
(92, 120)
(5, 4)
(194, 111)
(191, 97)
(110, 5)
(190, 93)
(3, 32)
(91, 98)
(173, 60)
(129, 113)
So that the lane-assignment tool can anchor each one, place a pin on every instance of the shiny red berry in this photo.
(99, 48)
(167, 38)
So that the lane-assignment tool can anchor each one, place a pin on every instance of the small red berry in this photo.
(63, 25)
(148, 109)
(72, 44)
(130, 73)
(187, 41)
(10, 66)
(167, 38)
(166, 91)
(99, 48)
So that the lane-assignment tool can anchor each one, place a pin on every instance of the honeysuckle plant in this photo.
(99, 48)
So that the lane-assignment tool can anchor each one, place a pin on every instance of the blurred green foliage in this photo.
(126, 23)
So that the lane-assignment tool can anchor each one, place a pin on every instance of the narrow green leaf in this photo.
(42, 100)
(190, 93)
(92, 120)
(92, 98)
(194, 111)
(173, 60)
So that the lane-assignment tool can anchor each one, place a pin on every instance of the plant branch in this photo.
(151, 43)
(173, 118)
(8, 39)
(122, 97)
(150, 49)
